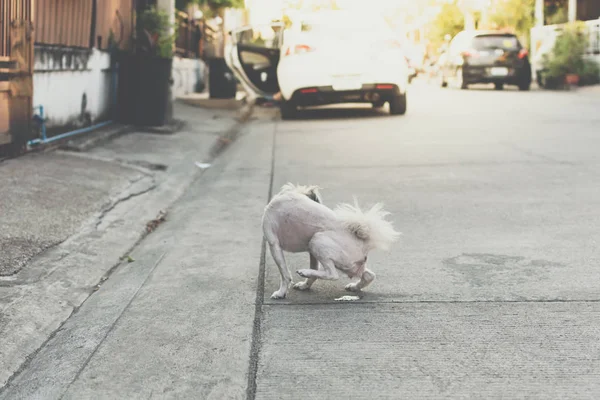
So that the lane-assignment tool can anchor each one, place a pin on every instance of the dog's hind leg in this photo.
(314, 264)
(365, 280)
(321, 247)
(286, 279)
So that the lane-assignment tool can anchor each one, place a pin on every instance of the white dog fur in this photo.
(295, 221)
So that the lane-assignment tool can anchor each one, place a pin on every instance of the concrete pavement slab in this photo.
(176, 323)
(37, 300)
(430, 351)
(55, 193)
(509, 232)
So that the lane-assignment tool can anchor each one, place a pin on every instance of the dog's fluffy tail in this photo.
(312, 192)
(369, 226)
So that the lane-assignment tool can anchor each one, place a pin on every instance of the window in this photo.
(505, 42)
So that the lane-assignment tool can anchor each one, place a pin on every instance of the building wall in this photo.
(189, 76)
(73, 85)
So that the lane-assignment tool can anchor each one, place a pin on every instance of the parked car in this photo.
(329, 57)
(486, 57)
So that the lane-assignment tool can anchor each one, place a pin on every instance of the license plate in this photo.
(346, 83)
(498, 71)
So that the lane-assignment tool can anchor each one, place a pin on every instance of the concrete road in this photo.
(492, 292)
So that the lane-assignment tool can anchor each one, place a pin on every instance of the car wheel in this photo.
(288, 110)
(524, 86)
(499, 86)
(398, 105)
(379, 104)
(444, 83)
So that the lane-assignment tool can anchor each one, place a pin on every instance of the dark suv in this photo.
(486, 57)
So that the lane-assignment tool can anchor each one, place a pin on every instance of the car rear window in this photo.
(346, 26)
(495, 42)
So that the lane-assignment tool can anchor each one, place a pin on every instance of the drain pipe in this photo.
(44, 139)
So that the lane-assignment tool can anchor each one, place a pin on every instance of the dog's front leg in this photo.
(314, 265)
(286, 279)
(365, 280)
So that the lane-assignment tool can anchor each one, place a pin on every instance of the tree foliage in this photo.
(517, 15)
(449, 21)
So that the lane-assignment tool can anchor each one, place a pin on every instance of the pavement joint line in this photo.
(434, 165)
(256, 343)
(108, 332)
(371, 302)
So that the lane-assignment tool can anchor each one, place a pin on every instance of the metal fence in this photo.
(191, 36)
(83, 23)
(11, 10)
(63, 22)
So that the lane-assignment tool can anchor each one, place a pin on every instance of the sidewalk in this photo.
(68, 218)
(162, 326)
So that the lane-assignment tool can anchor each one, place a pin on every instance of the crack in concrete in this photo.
(116, 321)
(120, 200)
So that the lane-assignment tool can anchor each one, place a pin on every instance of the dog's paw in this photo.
(278, 295)
(301, 286)
(305, 273)
(352, 287)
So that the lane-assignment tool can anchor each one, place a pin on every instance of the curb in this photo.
(231, 134)
(95, 138)
(216, 104)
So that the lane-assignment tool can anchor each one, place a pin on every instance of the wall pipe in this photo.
(44, 139)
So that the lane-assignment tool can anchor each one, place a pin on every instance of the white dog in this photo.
(295, 220)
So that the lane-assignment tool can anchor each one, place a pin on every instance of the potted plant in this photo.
(145, 72)
(566, 64)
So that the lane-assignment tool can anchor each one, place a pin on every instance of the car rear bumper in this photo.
(323, 95)
(484, 74)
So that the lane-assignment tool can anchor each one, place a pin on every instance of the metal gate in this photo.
(16, 73)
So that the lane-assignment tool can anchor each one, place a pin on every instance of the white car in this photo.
(328, 57)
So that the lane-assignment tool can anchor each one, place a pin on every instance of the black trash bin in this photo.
(221, 81)
(144, 91)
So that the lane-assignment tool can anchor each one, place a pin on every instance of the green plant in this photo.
(560, 16)
(567, 56)
(449, 21)
(515, 14)
(212, 4)
(154, 33)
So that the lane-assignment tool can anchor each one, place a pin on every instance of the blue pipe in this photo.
(44, 139)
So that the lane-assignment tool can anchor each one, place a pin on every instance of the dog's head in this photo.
(312, 192)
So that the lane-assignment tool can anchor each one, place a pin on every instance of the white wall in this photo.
(62, 76)
(186, 74)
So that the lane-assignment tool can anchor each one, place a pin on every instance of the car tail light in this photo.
(384, 87)
(469, 53)
(308, 90)
(298, 49)
(523, 53)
